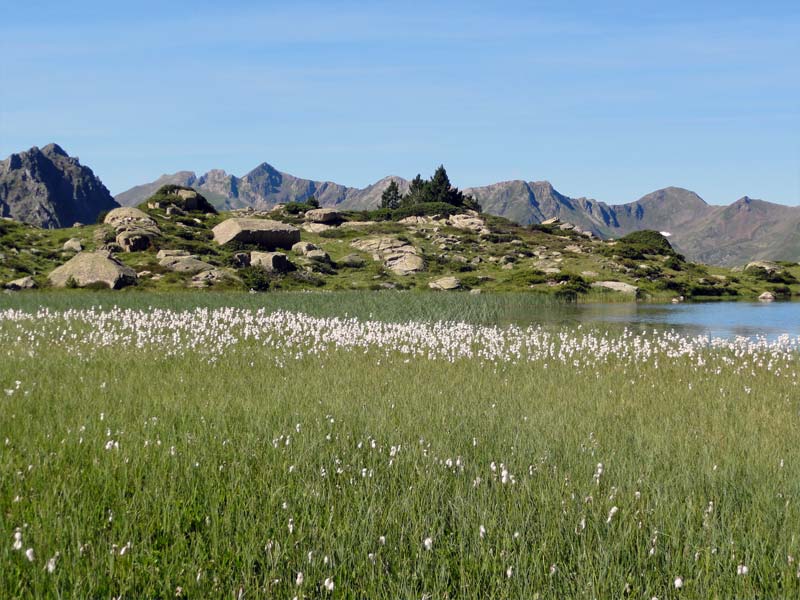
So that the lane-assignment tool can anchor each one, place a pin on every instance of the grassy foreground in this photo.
(138, 472)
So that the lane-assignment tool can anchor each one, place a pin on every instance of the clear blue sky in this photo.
(608, 100)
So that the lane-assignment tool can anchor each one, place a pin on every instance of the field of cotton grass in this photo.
(258, 453)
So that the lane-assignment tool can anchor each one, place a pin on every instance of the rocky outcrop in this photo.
(259, 232)
(617, 286)
(187, 263)
(724, 235)
(92, 268)
(72, 245)
(135, 229)
(445, 283)
(329, 216)
(397, 255)
(23, 283)
(303, 248)
(471, 221)
(48, 188)
(128, 216)
(274, 262)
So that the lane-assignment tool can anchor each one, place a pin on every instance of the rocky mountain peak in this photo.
(53, 149)
(48, 188)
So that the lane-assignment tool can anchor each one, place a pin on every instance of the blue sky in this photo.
(607, 100)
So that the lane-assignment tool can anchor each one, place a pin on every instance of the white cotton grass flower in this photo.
(427, 543)
(614, 510)
(51, 563)
(509, 572)
(678, 583)
(742, 570)
(299, 579)
(482, 531)
(328, 583)
(17, 545)
(29, 554)
(382, 540)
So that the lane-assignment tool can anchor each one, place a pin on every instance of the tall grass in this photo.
(381, 305)
(147, 475)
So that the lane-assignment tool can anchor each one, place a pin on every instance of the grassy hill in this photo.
(476, 252)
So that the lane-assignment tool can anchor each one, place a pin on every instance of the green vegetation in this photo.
(490, 254)
(170, 194)
(640, 244)
(145, 474)
(437, 189)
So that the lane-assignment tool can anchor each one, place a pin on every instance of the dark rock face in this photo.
(48, 188)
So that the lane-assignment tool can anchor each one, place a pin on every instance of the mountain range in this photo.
(726, 235)
(48, 188)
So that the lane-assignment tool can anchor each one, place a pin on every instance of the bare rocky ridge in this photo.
(48, 188)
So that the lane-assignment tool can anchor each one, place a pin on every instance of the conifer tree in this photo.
(391, 196)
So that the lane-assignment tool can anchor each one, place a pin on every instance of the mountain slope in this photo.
(48, 188)
(726, 235)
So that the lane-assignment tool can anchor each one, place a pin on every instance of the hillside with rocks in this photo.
(724, 235)
(176, 240)
(48, 188)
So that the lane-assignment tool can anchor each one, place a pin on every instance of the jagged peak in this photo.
(264, 167)
(53, 148)
(542, 184)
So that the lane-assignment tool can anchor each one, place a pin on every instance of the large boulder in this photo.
(88, 268)
(260, 232)
(185, 264)
(303, 248)
(768, 266)
(397, 255)
(469, 221)
(328, 216)
(135, 240)
(128, 215)
(72, 245)
(404, 263)
(445, 283)
(617, 286)
(24, 283)
(318, 256)
(276, 262)
(767, 297)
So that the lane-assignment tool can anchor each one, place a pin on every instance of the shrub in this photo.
(637, 244)
(426, 209)
(168, 194)
(255, 278)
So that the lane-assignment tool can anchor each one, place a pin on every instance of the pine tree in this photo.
(312, 202)
(418, 191)
(391, 196)
(440, 188)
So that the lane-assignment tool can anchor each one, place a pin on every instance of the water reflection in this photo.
(719, 319)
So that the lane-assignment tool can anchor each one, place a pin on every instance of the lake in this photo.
(716, 319)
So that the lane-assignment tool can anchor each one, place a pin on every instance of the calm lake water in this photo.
(717, 319)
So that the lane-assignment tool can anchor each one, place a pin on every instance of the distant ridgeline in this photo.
(49, 189)
(428, 237)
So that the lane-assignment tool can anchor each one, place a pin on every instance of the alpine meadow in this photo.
(513, 315)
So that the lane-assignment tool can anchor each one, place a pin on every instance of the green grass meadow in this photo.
(153, 476)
